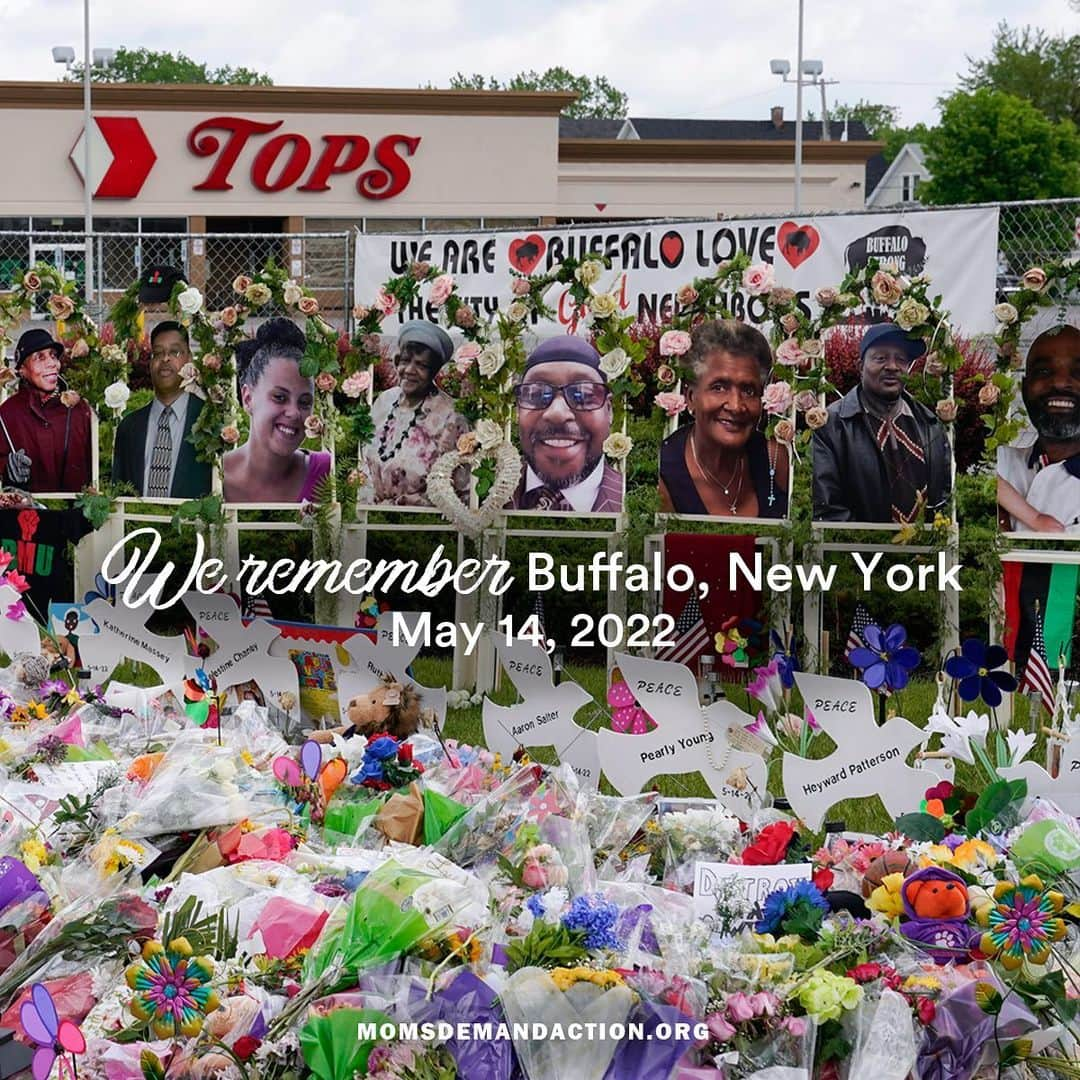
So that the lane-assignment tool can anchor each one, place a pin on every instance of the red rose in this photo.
(824, 878)
(245, 1046)
(926, 1009)
(405, 753)
(865, 973)
(771, 845)
(941, 791)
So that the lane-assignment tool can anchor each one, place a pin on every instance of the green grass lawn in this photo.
(858, 815)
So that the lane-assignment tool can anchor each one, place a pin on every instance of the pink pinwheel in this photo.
(53, 1035)
(626, 714)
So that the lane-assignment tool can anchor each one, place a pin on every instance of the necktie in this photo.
(161, 459)
(544, 498)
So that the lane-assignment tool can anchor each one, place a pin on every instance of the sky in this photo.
(684, 58)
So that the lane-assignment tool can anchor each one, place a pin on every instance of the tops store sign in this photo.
(334, 164)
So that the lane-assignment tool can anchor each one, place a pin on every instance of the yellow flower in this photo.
(33, 853)
(904, 535)
(37, 710)
(936, 853)
(247, 758)
(564, 978)
(922, 984)
(886, 898)
(72, 697)
(19, 715)
(974, 855)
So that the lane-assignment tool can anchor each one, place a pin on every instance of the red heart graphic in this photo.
(526, 253)
(671, 248)
(601, 206)
(797, 242)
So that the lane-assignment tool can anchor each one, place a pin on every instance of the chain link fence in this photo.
(210, 261)
(1029, 233)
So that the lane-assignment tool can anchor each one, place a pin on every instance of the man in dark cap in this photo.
(881, 456)
(156, 284)
(153, 450)
(564, 416)
(44, 430)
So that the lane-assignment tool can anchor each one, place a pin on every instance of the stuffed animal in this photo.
(936, 905)
(31, 670)
(393, 708)
(892, 862)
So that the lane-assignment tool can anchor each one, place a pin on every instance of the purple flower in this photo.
(885, 660)
(977, 669)
(55, 686)
(786, 659)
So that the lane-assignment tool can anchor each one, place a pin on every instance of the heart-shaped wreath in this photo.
(445, 499)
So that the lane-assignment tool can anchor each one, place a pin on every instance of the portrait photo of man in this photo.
(1039, 474)
(153, 450)
(44, 432)
(564, 415)
(882, 456)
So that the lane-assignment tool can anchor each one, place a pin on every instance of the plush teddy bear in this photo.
(393, 708)
(936, 904)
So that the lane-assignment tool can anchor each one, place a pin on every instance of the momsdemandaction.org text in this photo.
(589, 1031)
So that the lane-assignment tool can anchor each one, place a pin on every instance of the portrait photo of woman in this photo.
(721, 464)
(415, 422)
(271, 467)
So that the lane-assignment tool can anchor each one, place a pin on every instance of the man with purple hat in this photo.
(44, 432)
(564, 416)
(882, 456)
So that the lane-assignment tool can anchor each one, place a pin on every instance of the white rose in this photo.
(517, 311)
(116, 395)
(190, 300)
(589, 271)
(291, 293)
(490, 360)
(604, 305)
(1005, 314)
(489, 434)
(614, 363)
(617, 445)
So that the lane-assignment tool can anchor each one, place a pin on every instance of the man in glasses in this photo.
(153, 452)
(881, 456)
(564, 416)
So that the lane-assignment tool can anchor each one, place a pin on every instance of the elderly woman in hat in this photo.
(415, 422)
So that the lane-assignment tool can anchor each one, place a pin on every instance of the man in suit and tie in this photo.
(153, 451)
(564, 416)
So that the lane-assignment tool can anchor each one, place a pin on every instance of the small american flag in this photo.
(1037, 671)
(859, 624)
(256, 607)
(691, 636)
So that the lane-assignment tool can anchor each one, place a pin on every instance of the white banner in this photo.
(958, 248)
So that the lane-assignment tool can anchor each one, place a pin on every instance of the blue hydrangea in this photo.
(535, 905)
(597, 917)
(778, 904)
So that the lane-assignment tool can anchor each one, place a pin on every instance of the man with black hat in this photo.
(564, 416)
(153, 450)
(44, 434)
(881, 456)
(156, 284)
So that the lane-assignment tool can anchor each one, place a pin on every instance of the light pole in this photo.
(99, 58)
(814, 69)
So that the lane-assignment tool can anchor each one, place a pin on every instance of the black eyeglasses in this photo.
(580, 396)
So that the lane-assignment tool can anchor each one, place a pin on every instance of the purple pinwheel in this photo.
(787, 660)
(977, 668)
(885, 660)
(40, 1021)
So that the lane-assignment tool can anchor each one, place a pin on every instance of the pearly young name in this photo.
(899, 577)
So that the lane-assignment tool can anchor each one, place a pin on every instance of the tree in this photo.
(596, 97)
(993, 146)
(877, 119)
(1031, 64)
(147, 66)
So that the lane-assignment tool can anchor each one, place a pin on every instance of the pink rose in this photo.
(356, 384)
(228, 316)
(325, 382)
(1034, 279)
(989, 394)
(758, 279)
(785, 431)
(80, 349)
(665, 375)
(371, 343)
(360, 312)
(533, 876)
(520, 286)
(780, 296)
(314, 427)
(827, 296)
(386, 303)
(211, 362)
(466, 356)
(230, 434)
(241, 284)
(789, 322)
(31, 281)
(817, 417)
(686, 295)
(70, 398)
(765, 1003)
(61, 307)
(946, 410)
(805, 400)
(795, 1026)
(465, 317)
(672, 404)
(719, 1028)
(441, 288)
(740, 1008)
(777, 398)
(674, 343)
(419, 269)
(307, 305)
(790, 353)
